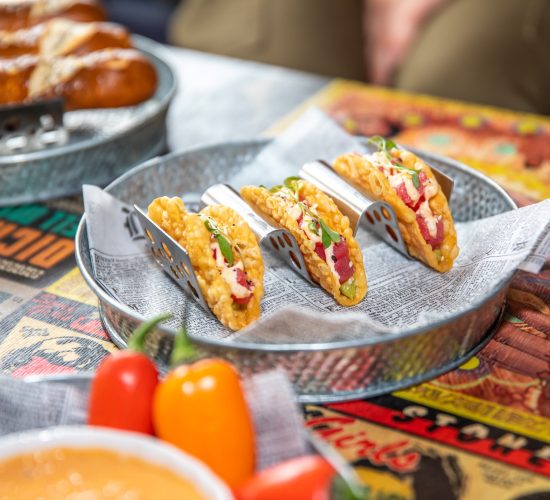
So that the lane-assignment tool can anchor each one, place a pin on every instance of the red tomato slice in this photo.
(320, 251)
(242, 301)
(343, 266)
(433, 241)
(402, 192)
(241, 280)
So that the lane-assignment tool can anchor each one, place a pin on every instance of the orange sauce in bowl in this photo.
(89, 473)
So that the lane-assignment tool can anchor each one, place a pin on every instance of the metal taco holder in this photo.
(175, 261)
(172, 257)
(378, 216)
(322, 371)
(278, 240)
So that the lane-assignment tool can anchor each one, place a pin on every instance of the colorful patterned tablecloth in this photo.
(481, 431)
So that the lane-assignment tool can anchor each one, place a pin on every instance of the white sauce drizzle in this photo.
(304, 226)
(229, 273)
(431, 220)
(379, 159)
(295, 212)
(26, 37)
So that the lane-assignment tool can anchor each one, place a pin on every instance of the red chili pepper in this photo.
(302, 478)
(309, 477)
(121, 394)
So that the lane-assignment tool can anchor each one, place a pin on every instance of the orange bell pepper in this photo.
(201, 409)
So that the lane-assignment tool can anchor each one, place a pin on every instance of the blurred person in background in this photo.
(486, 51)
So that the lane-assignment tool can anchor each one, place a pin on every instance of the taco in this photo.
(331, 253)
(225, 256)
(407, 183)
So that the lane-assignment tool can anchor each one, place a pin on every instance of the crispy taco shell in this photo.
(367, 177)
(275, 208)
(190, 232)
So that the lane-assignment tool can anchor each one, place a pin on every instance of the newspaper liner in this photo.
(279, 429)
(403, 293)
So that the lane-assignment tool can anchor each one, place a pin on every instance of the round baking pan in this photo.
(320, 372)
(103, 144)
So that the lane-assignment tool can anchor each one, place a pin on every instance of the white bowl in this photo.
(140, 446)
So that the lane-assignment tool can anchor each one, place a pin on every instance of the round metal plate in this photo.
(103, 144)
(330, 371)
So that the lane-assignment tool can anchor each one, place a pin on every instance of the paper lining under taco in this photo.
(408, 184)
(225, 256)
(332, 256)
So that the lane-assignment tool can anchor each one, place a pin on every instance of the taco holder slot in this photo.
(172, 257)
(378, 216)
(278, 240)
(32, 126)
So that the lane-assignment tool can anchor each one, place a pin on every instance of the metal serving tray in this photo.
(103, 144)
(320, 372)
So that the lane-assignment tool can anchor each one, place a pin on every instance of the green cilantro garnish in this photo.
(223, 241)
(385, 146)
(381, 143)
(291, 182)
(225, 248)
(328, 235)
(313, 228)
